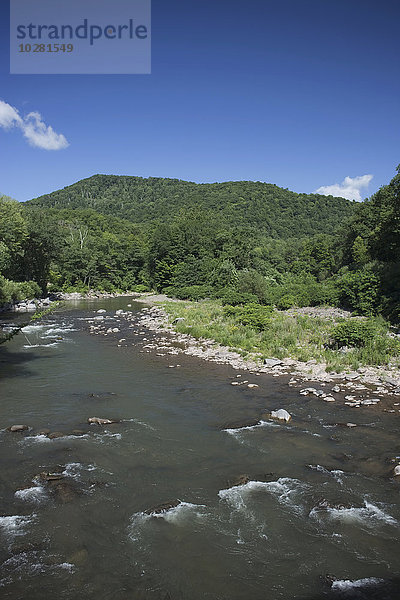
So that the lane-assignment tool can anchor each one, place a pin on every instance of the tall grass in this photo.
(299, 337)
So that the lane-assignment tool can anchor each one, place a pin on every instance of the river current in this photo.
(254, 509)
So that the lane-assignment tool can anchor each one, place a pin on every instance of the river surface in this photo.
(320, 498)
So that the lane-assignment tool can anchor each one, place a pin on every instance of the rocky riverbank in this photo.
(368, 387)
(28, 305)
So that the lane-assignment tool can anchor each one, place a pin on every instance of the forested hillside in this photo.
(239, 242)
(274, 211)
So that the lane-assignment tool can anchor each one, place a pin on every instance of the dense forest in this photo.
(238, 241)
(271, 210)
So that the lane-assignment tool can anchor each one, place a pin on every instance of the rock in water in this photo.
(44, 476)
(281, 414)
(161, 508)
(14, 428)
(99, 421)
(240, 480)
(397, 471)
(56, 434)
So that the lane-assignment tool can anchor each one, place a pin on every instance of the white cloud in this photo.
(34, 129)
(8, 116)
(41, 135)
(350, 188)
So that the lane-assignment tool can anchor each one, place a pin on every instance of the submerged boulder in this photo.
(44, 476)
(161, 508)
(63, 491)
(240, 480)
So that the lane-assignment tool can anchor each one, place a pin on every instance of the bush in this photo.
(14, 291)
(190, 292)
(353, 333)
(359, 291)
(252, 282)
(234, 298)
(285, 302)
(140, 288)
(253, 315)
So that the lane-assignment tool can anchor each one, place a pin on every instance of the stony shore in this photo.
(366, 387)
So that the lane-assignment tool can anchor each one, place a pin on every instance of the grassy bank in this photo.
(281, 335)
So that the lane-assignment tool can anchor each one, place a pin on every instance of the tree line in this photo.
(224, 241)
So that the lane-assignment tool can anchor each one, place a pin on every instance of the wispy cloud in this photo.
(32, 126)
(350, 188)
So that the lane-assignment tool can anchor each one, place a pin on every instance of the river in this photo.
(318, 499)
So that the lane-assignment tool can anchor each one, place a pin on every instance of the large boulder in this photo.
(281, 414)
(272, 362)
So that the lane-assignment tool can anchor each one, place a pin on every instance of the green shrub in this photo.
(14, 291)
(285, 302)
(353, 333)
(359, 290)
(234, 298)
(189, 292)
(254, 315)
(252, 282)
(140, 288)
(79, 286)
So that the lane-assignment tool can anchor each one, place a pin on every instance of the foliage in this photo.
(190, 292)
(359, 290)
(234, 298)
(278, 212)
(14, 291)
(300, 337)
(254, 315)
(246, 243)
(140, 288)
(353, 332)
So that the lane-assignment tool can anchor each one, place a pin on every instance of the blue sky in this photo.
(300, 93)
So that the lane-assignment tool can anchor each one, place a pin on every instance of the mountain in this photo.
(273, 211)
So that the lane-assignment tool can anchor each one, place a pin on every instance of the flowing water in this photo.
(319, 498)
